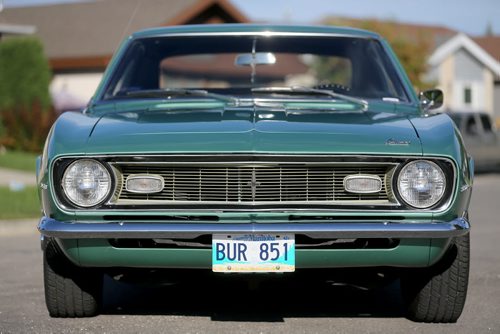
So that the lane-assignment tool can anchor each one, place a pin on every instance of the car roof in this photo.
(255, 29)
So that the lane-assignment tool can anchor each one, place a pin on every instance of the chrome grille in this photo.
(254, 183)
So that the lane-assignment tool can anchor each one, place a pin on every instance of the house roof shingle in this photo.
(462, 41)
(491, 44)
(440, 35)
(95, 28)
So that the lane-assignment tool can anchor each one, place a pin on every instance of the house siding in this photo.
(496, 103)
(488, 80)
(446, 79)
(467, 68)
(471, 75)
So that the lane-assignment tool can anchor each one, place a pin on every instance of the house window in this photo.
(467, 95)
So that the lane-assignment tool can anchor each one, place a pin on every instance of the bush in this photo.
(25, 109)
(26, 127)
(411, 49)
(25, 73)
(2, 128)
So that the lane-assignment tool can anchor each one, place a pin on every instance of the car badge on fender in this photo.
(395, 142)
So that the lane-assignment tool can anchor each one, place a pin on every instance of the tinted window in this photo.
(471, 127)
(486, 123)
(352, 66)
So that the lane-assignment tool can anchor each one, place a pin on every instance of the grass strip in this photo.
(24, 161)
(19, 204)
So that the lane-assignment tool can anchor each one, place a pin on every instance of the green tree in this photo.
(412, 47)
(25, 105)
(333, 70)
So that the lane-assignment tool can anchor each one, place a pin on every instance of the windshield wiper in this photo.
(166, 92)
(306, 90)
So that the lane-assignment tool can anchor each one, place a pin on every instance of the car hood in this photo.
(254, 130)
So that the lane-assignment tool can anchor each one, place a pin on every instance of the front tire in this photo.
(70, 291)
(437, 294)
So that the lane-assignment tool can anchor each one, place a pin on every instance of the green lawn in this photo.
(18, 160)
(19, 204)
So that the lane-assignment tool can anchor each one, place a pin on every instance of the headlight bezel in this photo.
(448, 171)
(60, 169)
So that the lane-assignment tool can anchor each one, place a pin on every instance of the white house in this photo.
(467, 74)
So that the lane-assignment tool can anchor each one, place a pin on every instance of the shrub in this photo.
(412, 49)
(26, 127)
(24, 93)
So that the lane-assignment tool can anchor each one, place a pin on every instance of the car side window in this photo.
(471, 127)
(485, 120)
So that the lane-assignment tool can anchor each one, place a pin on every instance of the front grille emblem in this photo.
(253, 184)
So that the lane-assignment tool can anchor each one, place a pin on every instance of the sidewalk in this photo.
(10, 228)
(10, 175)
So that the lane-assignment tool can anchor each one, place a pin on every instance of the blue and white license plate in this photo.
(253, 253)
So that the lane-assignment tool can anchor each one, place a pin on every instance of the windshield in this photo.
(237, 65)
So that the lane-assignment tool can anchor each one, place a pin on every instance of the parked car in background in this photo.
(481, 138)
(256, 149)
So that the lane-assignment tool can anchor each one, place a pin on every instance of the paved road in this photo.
(227, 306)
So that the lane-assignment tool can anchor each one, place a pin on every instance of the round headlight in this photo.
(86, 182)
(421, 184)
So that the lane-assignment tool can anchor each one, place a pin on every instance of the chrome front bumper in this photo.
(338, 230)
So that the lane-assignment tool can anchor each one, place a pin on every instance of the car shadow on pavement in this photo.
(259, 299)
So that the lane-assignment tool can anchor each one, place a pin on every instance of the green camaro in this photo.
(256, 149)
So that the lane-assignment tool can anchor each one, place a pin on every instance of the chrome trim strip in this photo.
(252, 163)
(246, 155)
(265, 33)
(327, 157)
(76, 230)
(253, 204)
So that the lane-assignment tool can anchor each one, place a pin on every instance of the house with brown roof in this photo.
(468, 71)
(80, 38)
(491, 44)
(465, 68)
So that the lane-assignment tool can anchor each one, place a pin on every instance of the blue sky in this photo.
(471, 17)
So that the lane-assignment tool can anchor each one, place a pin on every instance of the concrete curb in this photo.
(8, 176)
(9, 228)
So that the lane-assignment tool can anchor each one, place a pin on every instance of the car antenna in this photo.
(130, 20)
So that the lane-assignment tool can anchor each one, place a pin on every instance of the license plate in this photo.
(253, 253)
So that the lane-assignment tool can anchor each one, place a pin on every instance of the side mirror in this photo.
(431, 99)
(252, 59)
